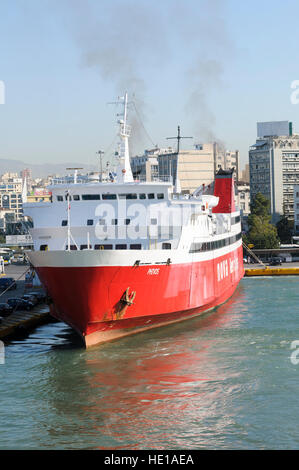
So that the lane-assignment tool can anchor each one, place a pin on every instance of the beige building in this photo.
(146, 167)
(245, 174)
(227, 159)
(195, 167)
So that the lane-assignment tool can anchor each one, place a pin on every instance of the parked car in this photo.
(275, 261)
(30, 298)
(20, 304)
(5, 309)
(6, 282)
(39, 295)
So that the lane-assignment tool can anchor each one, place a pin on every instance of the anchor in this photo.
(126, 301)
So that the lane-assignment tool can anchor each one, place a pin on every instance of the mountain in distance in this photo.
(42, 170)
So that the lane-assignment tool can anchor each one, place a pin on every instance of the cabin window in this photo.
(235, 220)
(64, 223)
(59, 198)
(103, 247)
(142, 196)
(128, 196)
(160, 196)
(85, 247)
(44, 248)
(114, 222)
(135, 246)
(91, 197)
(76, 197)
(89, 221)
(151, 196)
(72, 247)
(107, 197)
(121, 247)
(166, 246)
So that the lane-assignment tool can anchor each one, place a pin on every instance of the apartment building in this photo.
(11, 194)
(274, 166)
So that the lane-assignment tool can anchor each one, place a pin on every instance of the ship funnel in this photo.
(224, 189)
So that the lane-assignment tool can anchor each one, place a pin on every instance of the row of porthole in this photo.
(106, 197)
(90, 222)
(119, 246)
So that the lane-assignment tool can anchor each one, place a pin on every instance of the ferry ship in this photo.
(119, 257)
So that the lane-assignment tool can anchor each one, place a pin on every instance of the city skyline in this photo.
(200, 65)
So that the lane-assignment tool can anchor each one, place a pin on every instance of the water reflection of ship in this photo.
(154, 393)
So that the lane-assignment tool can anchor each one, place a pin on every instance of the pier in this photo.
(286, 269)
(21, 321)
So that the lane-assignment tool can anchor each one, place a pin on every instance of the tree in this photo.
(285, 230)
(262, 234)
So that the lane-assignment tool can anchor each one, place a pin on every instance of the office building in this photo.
(274, 166)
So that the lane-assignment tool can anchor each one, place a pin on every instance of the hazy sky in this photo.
(213, 67)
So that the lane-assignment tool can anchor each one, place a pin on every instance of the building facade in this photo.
(274, 167)
(242, 199)
(146, 167)
(296, 209)
(11, 194)
(195, 167)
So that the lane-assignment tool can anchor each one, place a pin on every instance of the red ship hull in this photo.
(100, 304)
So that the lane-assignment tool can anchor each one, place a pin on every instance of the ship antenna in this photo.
(124, 171)
(177, 186)
(75, 173)
(101, 153)
(69, 234)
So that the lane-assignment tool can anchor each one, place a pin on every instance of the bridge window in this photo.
(127, 221)
(102, 222)
(121, 247)
(135, 246)
(64, 223)
(76, 197)
(44, 248)
(103, 247)
(72, 247)
(85, 247)
(107, 197)
(114, 222)
(68, 197)
(128, 196)
(160, 196)
(142, 196)
(151, 196)
(91, 197)
(89, 221)
(166, 246)
(59, 198)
